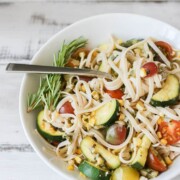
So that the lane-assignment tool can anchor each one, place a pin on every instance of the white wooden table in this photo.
(24, 27)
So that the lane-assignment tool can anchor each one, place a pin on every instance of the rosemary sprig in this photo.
(48, 93)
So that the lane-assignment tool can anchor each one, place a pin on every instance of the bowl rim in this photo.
(33, 61)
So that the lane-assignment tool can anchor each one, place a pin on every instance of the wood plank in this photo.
(6, 2)
(21, 166)
(25, 27)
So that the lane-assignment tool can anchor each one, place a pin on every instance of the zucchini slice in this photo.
(140, 159)
(130, 42)
(125, 173)
(108, 113)
(47, 130)
(90, 149)
(169, 94)
(93, 172)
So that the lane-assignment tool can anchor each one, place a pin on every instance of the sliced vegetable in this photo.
(155, 161)
(149, 69)
(66, 108)
(149, 173)
(116, 134)
(108, 113)
(130, 42)
(170, 131)
(90, 149)
(169, 93)
(166, 50)
(117, 94)
(141, 156)
(125, 173)
(47, 130)
(93, 172)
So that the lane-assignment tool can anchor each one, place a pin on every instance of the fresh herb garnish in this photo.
(48, 93)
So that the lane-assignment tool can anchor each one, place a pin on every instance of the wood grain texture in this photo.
(24, 27)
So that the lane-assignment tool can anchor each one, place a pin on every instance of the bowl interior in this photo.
(97, 30)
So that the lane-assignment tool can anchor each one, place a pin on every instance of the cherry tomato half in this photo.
(55, 143)
(66, 108)
(154, 161)
(85, 78)
(165, 48)
(116, 134)
(150, 69)
(170, 131)
(117, 94)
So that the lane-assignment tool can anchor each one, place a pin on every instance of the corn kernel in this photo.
(78, 151)
(95, 95)
(70, 168)
(137, 51)
(163, 141)
(140, 106)
(168, 160)
(93, 113)
(143, 72)
(83, 88)
(92, 121)
(100, 161)
(160, 120)
(121, 102)
(115, 151)
(159, 134)
(78, 159)
(121, 117)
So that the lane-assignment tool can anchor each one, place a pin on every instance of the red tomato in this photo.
(154, 161)
(170, 131)
(116, 134)
(85, 78)
(165, 48)
(117, 94)
(66, 108)
(150, 68)
(55, 143)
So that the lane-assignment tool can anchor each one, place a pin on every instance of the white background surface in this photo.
(24, 27)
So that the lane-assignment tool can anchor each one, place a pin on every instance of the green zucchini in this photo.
(125, 173)
(108, 113)
(130, 42)
(93, 172)
(90, 149)
(47, 131)
(169, 93)
(141, 156)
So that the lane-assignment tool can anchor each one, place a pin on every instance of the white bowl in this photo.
(97, 29)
